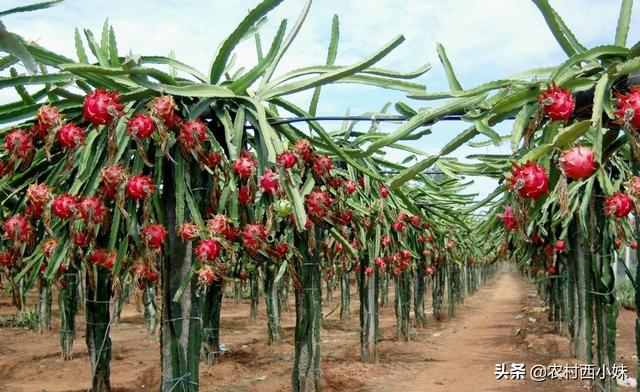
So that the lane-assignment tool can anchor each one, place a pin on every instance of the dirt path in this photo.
(487, 330)
(455, 355)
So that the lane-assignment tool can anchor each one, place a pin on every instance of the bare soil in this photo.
(502, 323)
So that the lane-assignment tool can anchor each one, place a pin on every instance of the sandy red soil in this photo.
(500, 323)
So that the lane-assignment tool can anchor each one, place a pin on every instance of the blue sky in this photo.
(485, 40)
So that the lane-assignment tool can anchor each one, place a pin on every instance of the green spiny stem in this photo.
(329, 294)
(384, 283)
(272, 304)
(449, 286)
(283, 296)
(437, 292)
(237, 291)
(403, 283)
(68, 305)
(255, 295)
(98, 327)
(211, 309)
(345, 297)
(418, 298)
(44, 305)
(120, 301)
(180, 330)
(150, 308)
(306, 375)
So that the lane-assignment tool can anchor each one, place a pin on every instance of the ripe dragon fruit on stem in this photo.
(188, 231)
(244, 165)
(19, 144)
(529, 180)
(629, 107)
(70, 136)
(192, 135)
(207, 250)
(48, 117)
(287, 160)
(269, 182)
(141, 126)
(618, 205)
(508, 217)
(18, 228)
(64, 206)
(153, 235)
(101, 107)
(578, 162)
(92, 209)
(140, 187)
(557, 103)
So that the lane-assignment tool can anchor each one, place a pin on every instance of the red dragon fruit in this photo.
(529, 180)
(140, 187)
(100, 107)
(188, 231)
(49, 246)
(206, 276)
(70, 136)
(344, 218)
(303, 149)
(219, 225)
(629, 107)
(557, 103)
(192, 134)
(317, 203)
(350, 186)
(398, 226)
(207, 250)
(19, 144)
(322, 165)
(38, 132)
(385, 241)
(336, 182)
(141, 126)
(92, 209)
(112, 175)
(64, 206)
(81, 239)
(153, 235)
(245, 196)
(617, 244)
(287, 160)
(578, 162)
(244, 165)
(560, 246)
(253, 236)
(38, 194)
(152, 276)
(279, 250)
(508, 217)
(6, 258)
(269, 182)
(18, 228)
(48, 116)
(618, 205)
(163, 106)
(384, 192)
(213, 158)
